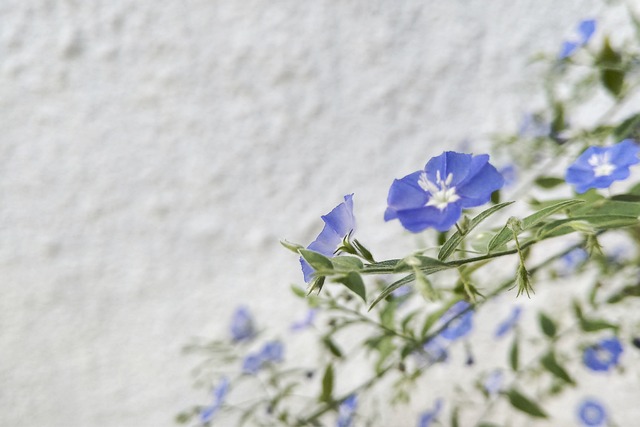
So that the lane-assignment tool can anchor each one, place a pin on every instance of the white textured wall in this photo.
(153, 153)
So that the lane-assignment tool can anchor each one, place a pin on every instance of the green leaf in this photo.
(327, 384)
(298, 291)
(628, 128)
(354, 282)
(316, 260)
(611, 74)
(456, 238)
(514, 355)
(381, 267)
(524, 404)
(627, 291)
(550, 363)
(293, 247)
(578, 223)
(594, 325)
(505, 235)
(547, 325)
(347, 263)
(455, 422)
(548, 181)
(608, 207)
(331, 346)
(392, 287)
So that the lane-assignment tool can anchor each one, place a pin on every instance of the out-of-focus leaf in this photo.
(331, 346)
(327, 384)
(611, 73)
(392, 287)
(550, 363)
(547, 325)
(548, 181)
(629, 128)
(514, 355)
(525, 404)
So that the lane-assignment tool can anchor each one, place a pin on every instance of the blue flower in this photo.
(604, 355)
(460, 324)
(219, 393)
(242, 327)
(434, 197)
(585, 29)
(509, 323)
(306, 322)
(271, 352)
(337, 224)
(436, 349)
(346, 411)
(427, 417)
(592, 413)
(598, 167)
(572, 260)
(510, 175)
(493, 382)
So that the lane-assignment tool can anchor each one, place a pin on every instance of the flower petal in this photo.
(586, 29)
(476, 190)
(341, 219)
(416, 220)
(449, 162)
(405, 193)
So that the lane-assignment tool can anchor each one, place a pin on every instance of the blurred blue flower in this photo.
(585, 31)
(306, 322)
(242, 327)
(271, 352)
(427, 417)
(598, 167)
(509, 323)
(346, 411)
(337, 224)
(460, 324)
(436, 350)
(604, 355)
(219, 393)
(510, 175)
(592, 413)
(493, 382)
(533, 126)
(434, 197)
(572, 260)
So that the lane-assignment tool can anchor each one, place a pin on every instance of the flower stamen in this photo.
(601, 164)
(441, 194)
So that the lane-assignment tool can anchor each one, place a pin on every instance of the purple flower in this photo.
(493, 382)
(592, 413)
(572, 260)
(219, 393)
(337, 224)
(509, 323)
(242, 325)
(434, 197)
(598, 167)
(604, 355)
(427, 417)
(436, 349)
(585, 31)
(306, 322)
(271, 352)
(460, 324)
(346, 411)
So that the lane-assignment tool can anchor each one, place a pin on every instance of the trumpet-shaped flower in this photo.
(598, 167)
(337, 224)
(592, 413)
(585, 31)
(434, 197)
(604, 355)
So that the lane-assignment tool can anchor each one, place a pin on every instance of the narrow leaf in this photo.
(354, 282)
(331, 346)
(551, 364)
(514, 355)
(327, 384)
(347, 263)
(627, 128)
(392, 287)
(547, 325)
(524, 404)
(452, 243)
(594, 325)
(548, 181)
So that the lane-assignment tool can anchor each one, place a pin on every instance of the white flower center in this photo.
(600, 164)
(604, 356)
(441, 194)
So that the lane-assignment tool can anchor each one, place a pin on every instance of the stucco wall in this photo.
(152, 154)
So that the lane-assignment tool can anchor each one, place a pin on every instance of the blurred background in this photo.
(152, 154)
